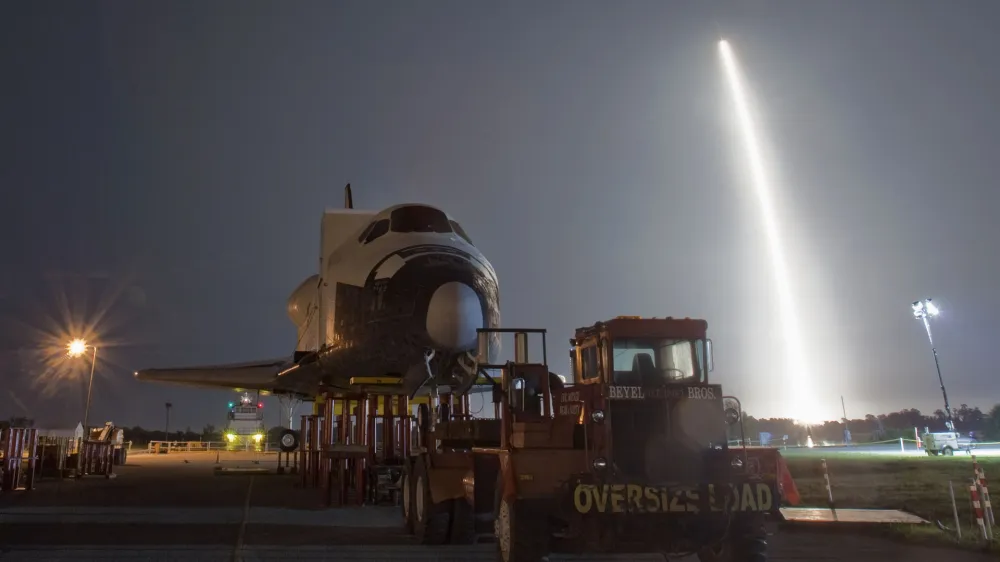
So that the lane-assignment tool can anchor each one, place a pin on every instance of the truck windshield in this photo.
(644, 362)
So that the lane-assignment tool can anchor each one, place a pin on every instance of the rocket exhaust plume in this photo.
(802, 406)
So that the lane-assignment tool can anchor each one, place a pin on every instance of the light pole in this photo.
(925, 310)
(76, 348)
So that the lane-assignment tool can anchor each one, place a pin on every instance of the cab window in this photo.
(461, 232)
(646, 361)
(366, 231)
(419, 218)
(588, 362)
(377, 230)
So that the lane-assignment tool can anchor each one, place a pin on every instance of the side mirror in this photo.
(732, 416)
(710, 360)
(732, 410)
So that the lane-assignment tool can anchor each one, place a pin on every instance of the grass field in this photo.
(918, 485)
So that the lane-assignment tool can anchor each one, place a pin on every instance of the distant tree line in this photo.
(872, 428)
(879, 428)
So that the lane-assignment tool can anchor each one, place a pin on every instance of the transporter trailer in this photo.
(631, 456)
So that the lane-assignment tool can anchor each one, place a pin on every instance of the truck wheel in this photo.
(947, 451)
(522, 536)
(406, 490)
(747, 542)
(431, 521)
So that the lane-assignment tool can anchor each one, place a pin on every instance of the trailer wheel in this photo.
(747, 542)
(288, 441)
(431, 521)
(406, 489)
(947, 451)
(522, 536)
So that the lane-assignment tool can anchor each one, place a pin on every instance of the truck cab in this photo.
(245, 425)
(633, 351)
(653, 410)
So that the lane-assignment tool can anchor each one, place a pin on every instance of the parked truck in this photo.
(245, 425)
(631, 455)
(946, 443)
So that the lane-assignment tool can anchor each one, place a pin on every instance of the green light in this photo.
(230, 404)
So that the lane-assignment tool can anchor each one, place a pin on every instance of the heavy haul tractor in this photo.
(631, 456)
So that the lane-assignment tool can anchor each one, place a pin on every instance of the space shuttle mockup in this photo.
(399, 296)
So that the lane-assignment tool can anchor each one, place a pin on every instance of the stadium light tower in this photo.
(925, 310)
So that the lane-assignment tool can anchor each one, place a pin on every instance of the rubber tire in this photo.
(948, 451)
(408, 499)
(463, 522)
(434, 525)
(522, 531)
(294, 440)
(747, 542)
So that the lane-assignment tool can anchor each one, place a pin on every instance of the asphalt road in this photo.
(174, 507)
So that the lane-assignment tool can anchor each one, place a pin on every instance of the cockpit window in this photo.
(460, 231)
(419, 218)
(377, 230)
(366, 231)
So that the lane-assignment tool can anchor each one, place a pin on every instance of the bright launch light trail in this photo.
(802, 408)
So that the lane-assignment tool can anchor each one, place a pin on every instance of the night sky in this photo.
(165, 165)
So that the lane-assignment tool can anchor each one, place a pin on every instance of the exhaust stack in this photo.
(520, 347)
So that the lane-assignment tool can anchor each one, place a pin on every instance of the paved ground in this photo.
(173, 507)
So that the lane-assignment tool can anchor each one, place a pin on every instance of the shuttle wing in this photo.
(254, 375)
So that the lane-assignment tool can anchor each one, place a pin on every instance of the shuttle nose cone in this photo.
(454, 313)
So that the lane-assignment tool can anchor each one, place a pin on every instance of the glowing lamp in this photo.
(76, 348)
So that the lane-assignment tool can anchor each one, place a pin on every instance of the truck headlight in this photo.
(597, 416)
(600, 464)
(737, 463)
